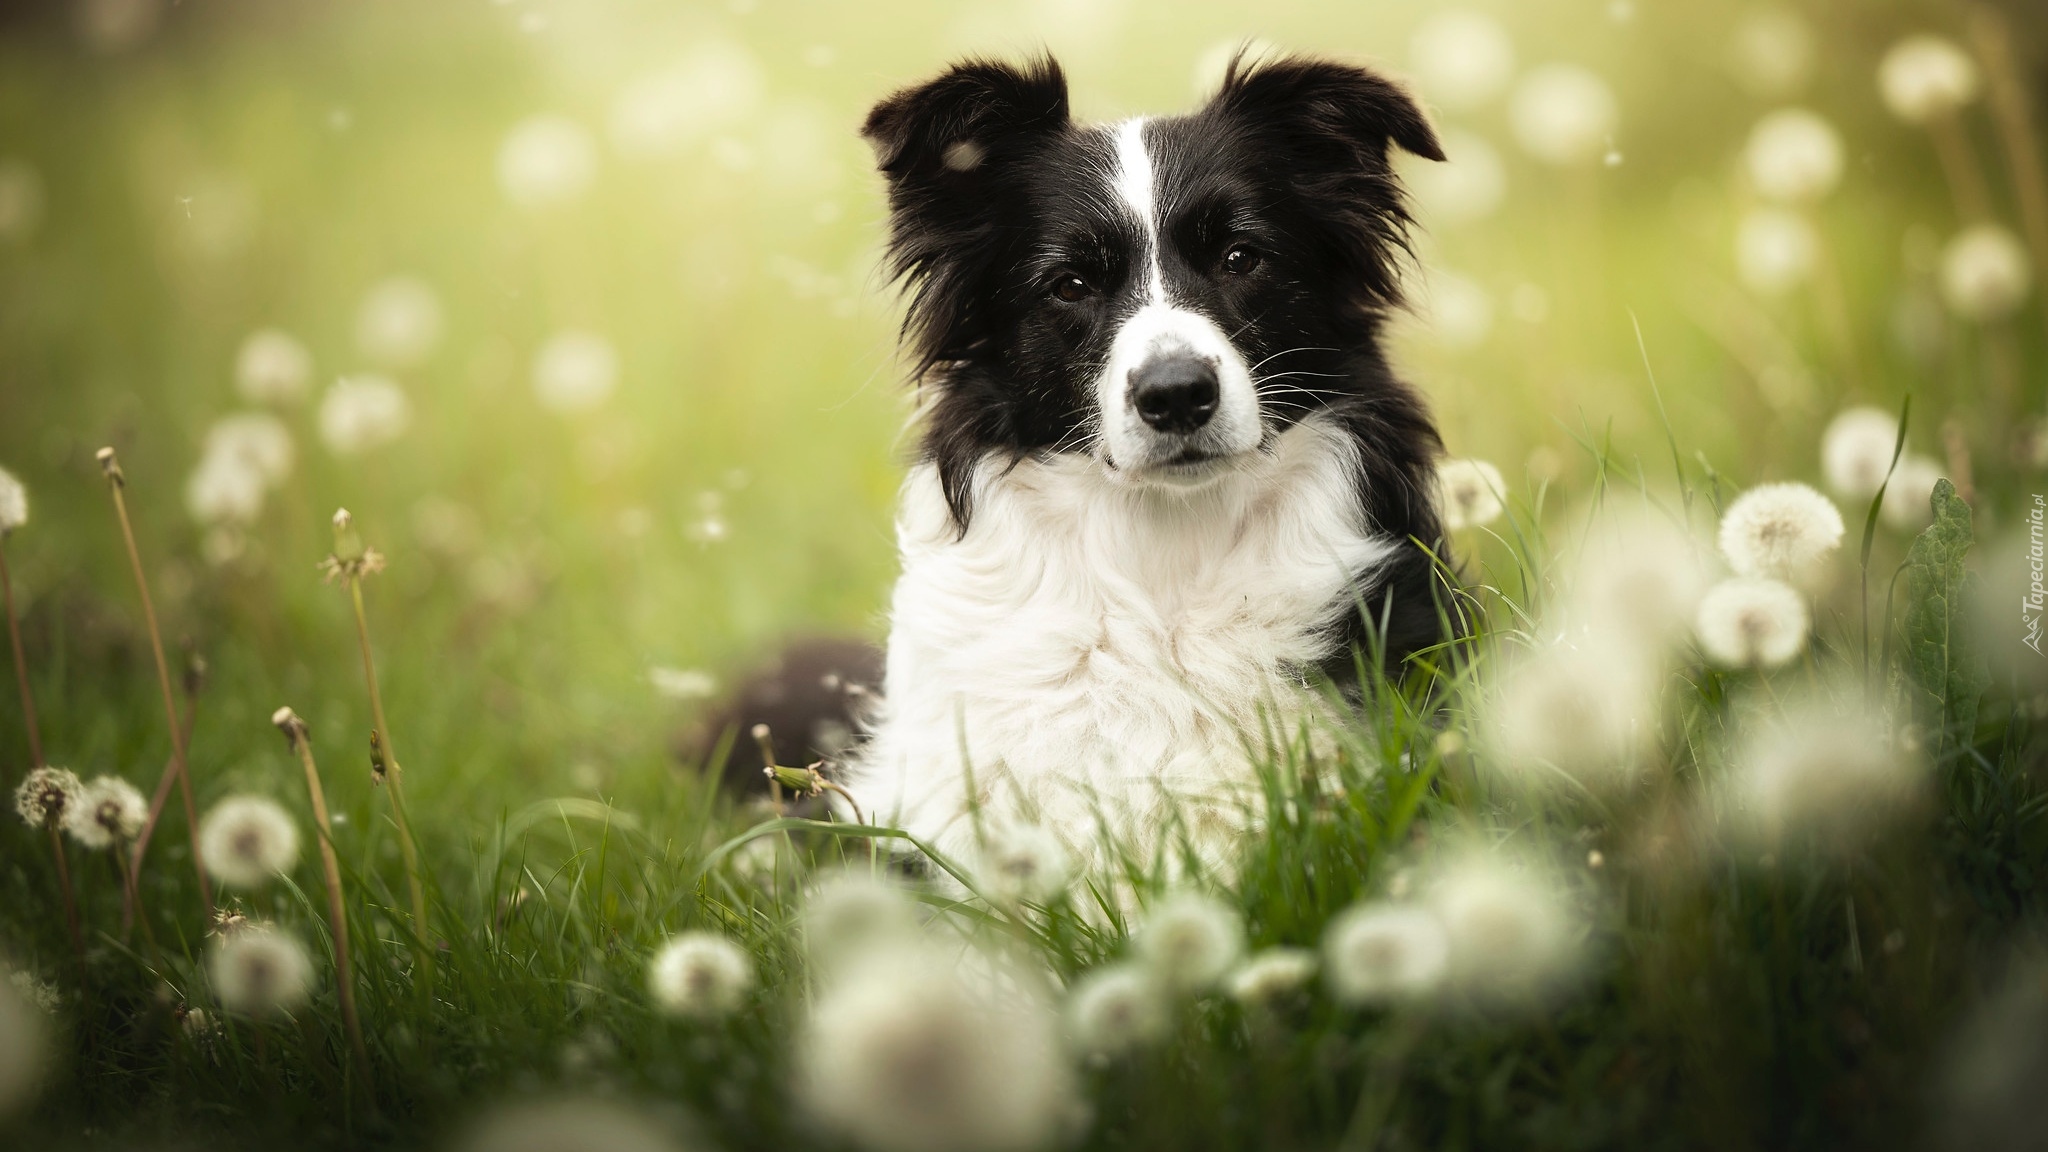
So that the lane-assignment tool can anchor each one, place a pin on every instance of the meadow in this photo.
(1726, 828)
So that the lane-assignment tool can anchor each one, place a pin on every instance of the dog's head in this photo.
(1163, 294)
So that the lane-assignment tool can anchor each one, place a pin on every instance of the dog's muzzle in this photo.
(1175, 393)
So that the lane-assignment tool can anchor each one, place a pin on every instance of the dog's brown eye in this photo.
(1240, 260)
(1072, 288)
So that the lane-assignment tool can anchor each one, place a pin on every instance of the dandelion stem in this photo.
(116, 482)
(70, 899)
(157, 801)
(297, 735)
(395, 776)
(2012, 111)
(28, 701)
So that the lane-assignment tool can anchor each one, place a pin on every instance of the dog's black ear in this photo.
(950, 127)
(1325, 101)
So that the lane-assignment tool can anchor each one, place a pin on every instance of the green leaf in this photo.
(1939, 655)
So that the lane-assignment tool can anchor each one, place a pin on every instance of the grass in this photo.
(539, 565)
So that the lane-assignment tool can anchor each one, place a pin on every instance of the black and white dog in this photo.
(1167, 472)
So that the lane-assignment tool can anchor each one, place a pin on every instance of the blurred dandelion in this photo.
(42, 995)
(224, 489)
(1906, 499)
(851, 913)
(1575, 708)
(107, 813)
(257, 439)
(575, 372)
(1470, 493)
(1794, 157)
(682, 683)
(1834, 776)
(1637, 580)
(1985, 273)
(1022, 862)
(1462, 59)
(45, 795)
(260, 971)
(701, 975)
(1856, 451)
(399, 322)
(272, 367)
(567, 1125)
(1784, 530)
(1190, 941)
(361, 413)
(908, 1054)
(1924, 78)
(23, 1049)
(114, 26)
(711, 89)
(545, 161)
(1271, 977)
(1752, 622)
(248, 841)
(1563, 115)
(21, 200)
(298, 737)
(13, 503)
(1772, 52)
(1460, 312)
(1508, 927)
(1471, 185)
(1373, 953)
(1115, 1009)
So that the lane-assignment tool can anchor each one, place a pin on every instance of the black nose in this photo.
(1174, 393)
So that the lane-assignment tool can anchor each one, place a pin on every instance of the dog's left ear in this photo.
(1326, 103)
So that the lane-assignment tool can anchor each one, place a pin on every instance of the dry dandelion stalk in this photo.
(351, 561)
(117, 481)
(299, 737)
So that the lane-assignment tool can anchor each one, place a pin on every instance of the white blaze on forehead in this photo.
(1134, 184)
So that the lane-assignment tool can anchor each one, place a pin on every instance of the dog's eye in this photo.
(1072, 288)
(1240, 260)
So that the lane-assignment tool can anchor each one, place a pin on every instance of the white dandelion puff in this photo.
(1509, 930)
(45, 794)
(1575, 708)
(1794, 156)
(42, 995)
(272, 367)
(224, 489)
(1985, 273)
(1470, 185)
(1753, 622)
(853, 913)
(1925, 77)
(1784, 530)
(569, 1124)
(683, 684)
(13, 503)
(399, 322)
(1022, 862)
(1116, 1009)
(909, 1054)
(545, 161)
(1907, 498)
(1856, 451)
(108, 813)
(1373, 953)
(1638, 579)
(257, 439)
(260, 971)
(1772, 52)
(361, 413)
(575, 372)
(1470, 492)
(1834, 776)
(1271, 976)
(1776, 250)
(1462, 59)
(1190, 941)
(701, 975)
(1563, 115)
(24, 1038)
(247, 841)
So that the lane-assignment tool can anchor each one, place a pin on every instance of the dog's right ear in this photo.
(944, 131)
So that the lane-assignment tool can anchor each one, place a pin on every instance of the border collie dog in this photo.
(1167, 474)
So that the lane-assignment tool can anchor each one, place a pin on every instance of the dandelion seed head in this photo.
(1856, 451)
(701, 975)
(45, 794)
(1020, 862)
(1374, 953)
(575, 372)
(1470, 492)
(1925, 77)
(1575, 708)
(247, 841)
(107, 813)
(13, 503)
(853, 913)
(568, 1125)
(1815, 771)
(906, 1053)
(683, 683)
(1794, 156)
(1788, 531)
(1563, 115)
(1271, 976)
(1509, 932)
(1753, 622)
(224, 490)
(1190, 940)
(42, 995)
(1985, 273)
(1116, 1009)
(1776, 250)
(545, 161)
(272, 367)
(399, 322)
(260, 971)
(1638, 580)
(361, 413)
(1907, 499)
(24, 1042)
(258, 439)
(1462, 59)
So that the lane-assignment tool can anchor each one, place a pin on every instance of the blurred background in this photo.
(574, 304)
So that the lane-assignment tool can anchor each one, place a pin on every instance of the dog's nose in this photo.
(1175, 393)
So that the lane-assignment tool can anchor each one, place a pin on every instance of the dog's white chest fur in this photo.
(1094, 647)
